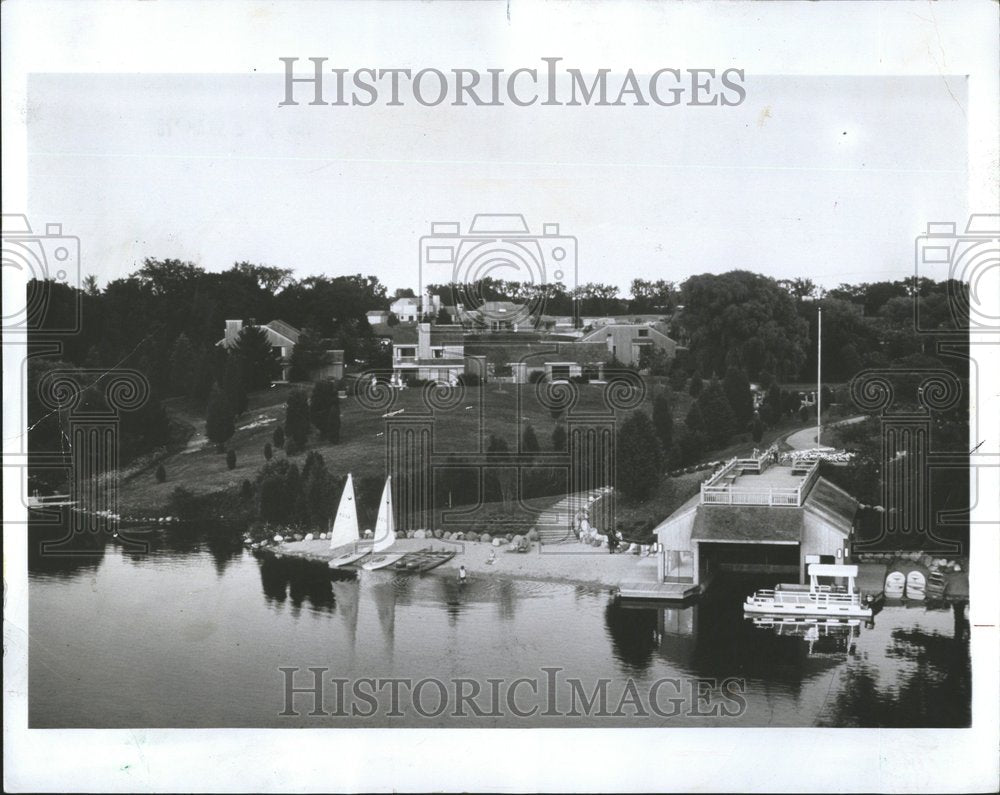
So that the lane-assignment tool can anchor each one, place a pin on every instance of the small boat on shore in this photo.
(423, 560)
(838, 598)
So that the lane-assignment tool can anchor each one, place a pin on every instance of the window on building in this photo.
(407, 352)
(643, 332)
(438, 353)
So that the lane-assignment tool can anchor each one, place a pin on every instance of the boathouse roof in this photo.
(747, 524)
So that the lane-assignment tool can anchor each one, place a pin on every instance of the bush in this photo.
(535, 376)
(469, 379)
(246, 490)
(279, 437)
(182, 504)
(230, 459)
(268, 452)
(161, 474)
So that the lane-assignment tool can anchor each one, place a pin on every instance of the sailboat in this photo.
(385, 532)
(345, 535)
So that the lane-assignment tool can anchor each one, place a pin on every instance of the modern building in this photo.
(428, 352)
(283, 337)
(626, 341)
(756, 515)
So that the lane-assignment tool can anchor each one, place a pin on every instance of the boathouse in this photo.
(756, 515)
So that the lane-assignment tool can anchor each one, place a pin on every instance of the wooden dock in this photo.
(663, 591)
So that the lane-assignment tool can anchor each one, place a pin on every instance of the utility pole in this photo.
(819, 369)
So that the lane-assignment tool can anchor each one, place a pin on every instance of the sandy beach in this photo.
(570, 563)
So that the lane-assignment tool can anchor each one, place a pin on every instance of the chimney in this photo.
(233, 329)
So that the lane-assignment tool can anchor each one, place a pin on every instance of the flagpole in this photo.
(819, 369)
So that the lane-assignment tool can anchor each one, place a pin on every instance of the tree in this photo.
(230, 459)
(246, 490)
(559, 438)
(258, 359)
(529, 441)
(233, 384)
(743, 319)
(772, 408)
(696, 385)
(324, 395)
(278, 437)
(757, 429)
(504, 477)
(638, 457)
(307, 354)
(718, 421)
(268, 451)
(297, 417)
(443, 318)
(737, 388)
(182, 366)
(663, 420)
(331, 430)
(218, 419)
(161, 474)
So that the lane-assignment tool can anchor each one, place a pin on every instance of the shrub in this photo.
(230, 459)
(161, 474)
(297, 417)
(279, 437)
(246, 490)
(268, 452)
(535, 376)
(469, 379)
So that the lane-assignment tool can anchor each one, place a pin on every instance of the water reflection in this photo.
(297, 581)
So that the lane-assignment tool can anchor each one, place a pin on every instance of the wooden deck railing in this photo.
(721, 490)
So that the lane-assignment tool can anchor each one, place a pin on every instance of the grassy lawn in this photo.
(461, 426)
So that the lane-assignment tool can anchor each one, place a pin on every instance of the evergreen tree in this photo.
(161, 474)
(323, 397)
(278, 437)
(332, 426)
(757, 429)
(559, 438)
(737, 389)
(638, 457)
(718, 421)
(202, 376)
(218, 419)
(182, 366)
(696, 385)
(772, 408)
(268, 451)
(529, 441)
(663, 420)
(234, 386)
(297, 417)
(231, 459)
(259, 362)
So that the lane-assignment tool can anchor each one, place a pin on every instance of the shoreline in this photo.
(570, 563)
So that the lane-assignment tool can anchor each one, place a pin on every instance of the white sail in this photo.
(345, 525)
(385, 526)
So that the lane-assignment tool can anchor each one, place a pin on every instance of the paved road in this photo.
(806, 438)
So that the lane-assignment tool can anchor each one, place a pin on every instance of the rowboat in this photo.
(815, 599)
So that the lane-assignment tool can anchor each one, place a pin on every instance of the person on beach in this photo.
(612, 542)
(462, 575)
(492, 558)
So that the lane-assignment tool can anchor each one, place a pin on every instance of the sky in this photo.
(821, 177)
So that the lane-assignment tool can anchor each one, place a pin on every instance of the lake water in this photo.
(195, 632)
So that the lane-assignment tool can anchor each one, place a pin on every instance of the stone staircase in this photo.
(555, 525)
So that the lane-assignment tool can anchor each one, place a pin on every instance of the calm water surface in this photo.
(194, 634)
